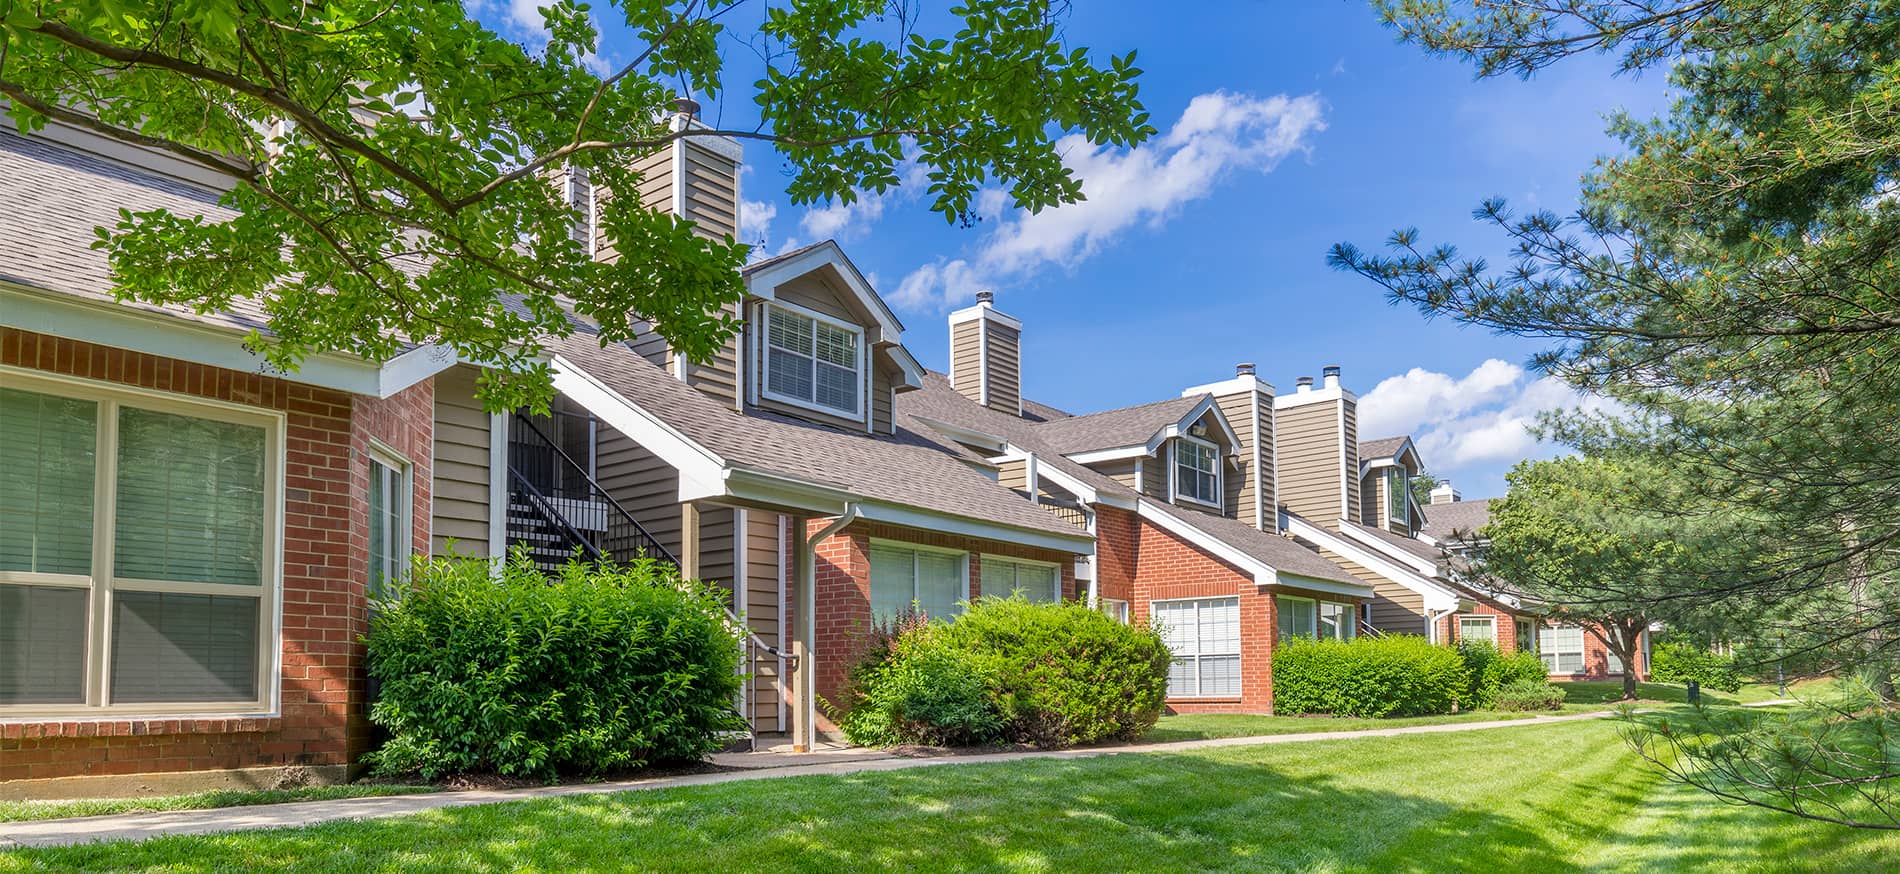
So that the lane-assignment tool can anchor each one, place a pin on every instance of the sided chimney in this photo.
(1247, 404)
(1316, 437)
(986, 355)
(1443, 493)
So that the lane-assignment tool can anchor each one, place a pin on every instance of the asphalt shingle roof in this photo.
(1383, 447)
(1126, 426)
(938, 401)
(56, 197)
(912, 468)
(1458, 518)
(1411, 545)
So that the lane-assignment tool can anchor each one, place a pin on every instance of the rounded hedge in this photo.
(1680, 662)
(1051, 675)
(594, 670)
(1395, 675)
(1525, 695)
(1491, 670)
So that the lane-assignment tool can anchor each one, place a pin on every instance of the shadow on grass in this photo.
(1152, 812)
(1611, 691)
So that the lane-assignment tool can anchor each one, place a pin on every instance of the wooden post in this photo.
(689, 541)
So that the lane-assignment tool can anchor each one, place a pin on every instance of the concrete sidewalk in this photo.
(140, 826)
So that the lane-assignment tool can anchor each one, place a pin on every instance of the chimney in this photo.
(1247, 404)
(986, 355)
(1443, 493)
(1317, 451)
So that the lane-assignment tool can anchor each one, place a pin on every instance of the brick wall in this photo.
(843, 589)
(1504, 619)
(325, 563)
(1596, 660)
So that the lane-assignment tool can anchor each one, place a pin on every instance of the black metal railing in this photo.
(548, 482)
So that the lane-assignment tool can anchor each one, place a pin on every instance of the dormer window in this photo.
(812, 361)
(1197, 471)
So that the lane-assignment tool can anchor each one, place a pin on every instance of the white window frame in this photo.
(1397, 492)
(1345, 619)
(405, 470)
(763, 360)
(1526, 635)
(1553, 658)
(1174, 471)
(1199, 654)
(1476, 618)
(1116, 608)
(101, 582)
(1055, 589)
(963, 569)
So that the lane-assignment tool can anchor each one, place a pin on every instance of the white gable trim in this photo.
(1180, 428)
(1081, 543)
(1436, 597)
(1411, 561)
(701, 471)
(763, 282)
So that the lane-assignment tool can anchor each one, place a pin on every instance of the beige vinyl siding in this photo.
(1310, 463)
(1395, 608)
(642, 483)
(1120, 470)
(1005, 368)
(1371, 492)
(711, 197)
(1239, 476)
(1350, 418)
(460, 468)
(715, 545)
(966, 358)
(719, 375)
(882, 399)
(1014, 475)
(1154, 472)
(656, 180)
(814, 292)
(648, 344)
(764, 560)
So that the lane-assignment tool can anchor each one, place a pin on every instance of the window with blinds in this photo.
(389, 497)
(1204, 636)
(1561, 649)
(927, 581)
(1483, 628)
(812, 362)
(1197, 471)
(135, 543)
(1037, 583)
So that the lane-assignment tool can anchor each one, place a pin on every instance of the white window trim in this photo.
(1347, 618)
(1403, 496)
(1582, 652)
(383, 454)
(1197, 656)
(1116, 608)
(986, 557)
(762, 360)
(101, 582)
(963, 564)
(1473, 617)
(1174, 472)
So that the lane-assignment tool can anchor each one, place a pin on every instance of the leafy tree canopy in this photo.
(390, 161)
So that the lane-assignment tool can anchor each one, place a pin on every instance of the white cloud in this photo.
(1480, 419)
(755, 221)
(838, 220)
(1218, 134)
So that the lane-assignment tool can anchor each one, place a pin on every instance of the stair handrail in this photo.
(654, 542)
(546, 508)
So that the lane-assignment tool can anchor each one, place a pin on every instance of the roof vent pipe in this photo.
(985, 296)
(1244, 368)
(1331, 373)
(1305, 383)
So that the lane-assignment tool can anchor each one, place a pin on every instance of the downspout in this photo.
(1431, 622)
(1095, 566)
(805, 632)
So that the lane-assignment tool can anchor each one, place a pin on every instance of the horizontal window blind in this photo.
(48, 457)
(169, 646)
(42, 645)
(190, 499)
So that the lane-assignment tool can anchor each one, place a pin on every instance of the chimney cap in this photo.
(1304, 380)
(1329, 370)
(686, 106)
(1245, 368)
(985, 296)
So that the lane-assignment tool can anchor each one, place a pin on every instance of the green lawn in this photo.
(1552, 797)
(1196, 726)
(15, 811)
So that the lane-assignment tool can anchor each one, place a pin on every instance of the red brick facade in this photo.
(1504, 620)
(843, 588)
(325, 553)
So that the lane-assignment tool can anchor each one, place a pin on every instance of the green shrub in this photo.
(913, 688)
(1051, 675)
(595, 670)
(1525, 695)
(1065, 674)
(1681, 662)
(1491, 670)
(1395, 675)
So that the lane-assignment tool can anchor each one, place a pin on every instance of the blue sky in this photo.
(1284, 128)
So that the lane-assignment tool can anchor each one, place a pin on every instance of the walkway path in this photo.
(139, 826)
